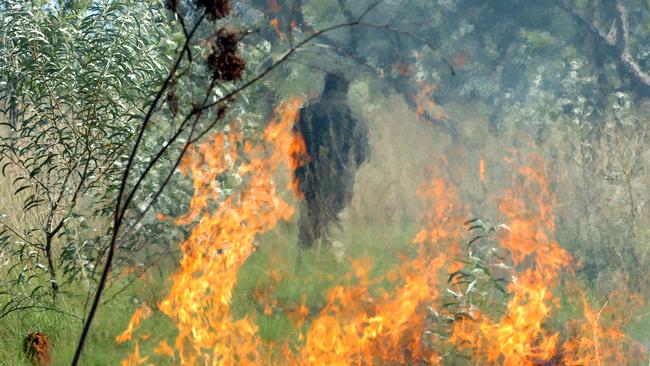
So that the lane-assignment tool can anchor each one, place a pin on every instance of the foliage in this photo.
(77, 81)
(477, 287)
(72, 84)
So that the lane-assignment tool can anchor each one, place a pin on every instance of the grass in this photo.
(318, 272)
(63, 332)
(272, 272)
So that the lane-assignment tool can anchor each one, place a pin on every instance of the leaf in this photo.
(470, 287)
(4, 167)
(32, 202)
(35, 290)
(460, 274)
(471, 221)
(475, 239)
(21, 189)
(474, 227)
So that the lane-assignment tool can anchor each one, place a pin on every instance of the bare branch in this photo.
(616, 38)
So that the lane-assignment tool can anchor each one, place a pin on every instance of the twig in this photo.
(617, 38)
(595, 333)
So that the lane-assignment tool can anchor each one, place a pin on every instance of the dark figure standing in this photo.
(337, 145)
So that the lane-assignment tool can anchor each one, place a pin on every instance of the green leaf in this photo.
(21, 189)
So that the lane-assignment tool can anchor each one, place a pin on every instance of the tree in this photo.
(74, 77)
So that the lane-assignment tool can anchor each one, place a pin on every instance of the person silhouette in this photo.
(337, 144)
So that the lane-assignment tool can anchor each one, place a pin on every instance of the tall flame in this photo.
(222, 240)
(522, 336)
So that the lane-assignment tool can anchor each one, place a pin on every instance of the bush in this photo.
(73, 77)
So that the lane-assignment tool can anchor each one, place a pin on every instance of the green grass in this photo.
(318, 272)
(311, 279)
(63, 332)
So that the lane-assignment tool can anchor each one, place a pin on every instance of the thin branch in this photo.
(617, 38)
(624, 45)
(172, 170)
(39, 307)
(285, 57)
(414, 36)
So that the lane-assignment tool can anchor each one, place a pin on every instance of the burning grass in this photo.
(446, 298)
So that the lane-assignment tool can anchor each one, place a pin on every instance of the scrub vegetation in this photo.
(324, 182)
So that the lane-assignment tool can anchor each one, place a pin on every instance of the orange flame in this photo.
(288, 142)
(275, 23)
(199, 298)
(363, 322)
(135, 358)
(356, 328)
(141, 313)
(522, 335)
(426, 107)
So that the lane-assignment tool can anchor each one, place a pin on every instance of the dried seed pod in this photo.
(224, 61)
(172, 5)
(215, 9)
(36, 348)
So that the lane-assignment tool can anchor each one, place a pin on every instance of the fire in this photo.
(135, 358)
(289, 143)
(522, 336)
(275, 24)
(426, 107)
(141, 313)
(200, 294)
(444, 216)
(519, 337)
(363, 321)
(356, 328)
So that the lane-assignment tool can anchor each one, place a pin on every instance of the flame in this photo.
(135, 358)
(289, 143)
(356, 328)
(522, 336)
(444, 216)
(163, 348)
(426, 107)
(141, 313)
(199, 299)
(363, 321)
(275, 23)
